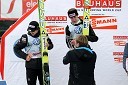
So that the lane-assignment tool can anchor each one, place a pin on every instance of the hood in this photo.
(84, 53)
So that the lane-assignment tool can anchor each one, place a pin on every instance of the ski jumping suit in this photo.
(72, 30)
(31, 44)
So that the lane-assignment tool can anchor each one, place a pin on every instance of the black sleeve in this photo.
(68, 40)
(50, 44)
(125, 55)
(22, 43)
(88, 56)
(66, 59)
(92, 36)
(67, 31)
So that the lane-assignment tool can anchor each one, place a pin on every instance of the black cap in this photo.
(33, 25)
(72, 12)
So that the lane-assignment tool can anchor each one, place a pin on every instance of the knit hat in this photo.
(33, 25)
(72, 12)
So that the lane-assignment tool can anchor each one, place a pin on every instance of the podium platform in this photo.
(2, 82)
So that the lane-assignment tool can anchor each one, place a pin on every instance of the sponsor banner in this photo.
(53, 24)
(55, 29)
(10, 9)
(120, 40)
(101, 7)
(119, 43)
(100, 4)
(103, 22)
(117, 53)
(118, 59)
(118, 56)
(56, 18)
(14, 9)
(120, 37)
(27, 5)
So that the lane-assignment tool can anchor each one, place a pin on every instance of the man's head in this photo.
(33, 25)
(73, 15)
(72, 12)
(81, 40)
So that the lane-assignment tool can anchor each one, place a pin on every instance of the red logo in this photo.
(56, 18)
(100, 3)
(55, 29)
(118, 56)
(119, 43)
(27, 5)
(11, 6)
(103, 22)
(118, 59)
(120, 37)
(118, 53)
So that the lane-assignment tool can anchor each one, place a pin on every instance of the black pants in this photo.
(32, 75)
(74, 82)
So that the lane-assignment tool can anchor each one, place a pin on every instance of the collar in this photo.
(85, 48)
(80, 21)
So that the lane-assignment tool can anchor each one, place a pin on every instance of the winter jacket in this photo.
(82, 64)
(125, 56)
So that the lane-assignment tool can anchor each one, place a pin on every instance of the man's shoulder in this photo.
(24, 35)
(24, 38)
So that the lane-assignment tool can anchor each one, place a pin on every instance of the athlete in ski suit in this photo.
(82, 63)
(31, 43)
(75, 28)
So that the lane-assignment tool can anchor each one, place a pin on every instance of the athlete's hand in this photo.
(47, 45)
(71, 48)
(73, 42)
(29, 56)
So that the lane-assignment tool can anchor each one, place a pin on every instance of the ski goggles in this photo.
(72, 15)
(32, 28)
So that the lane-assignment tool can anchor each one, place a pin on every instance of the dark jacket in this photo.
(91, 37)
(22, 43)
(82, 64)
(125, 56)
